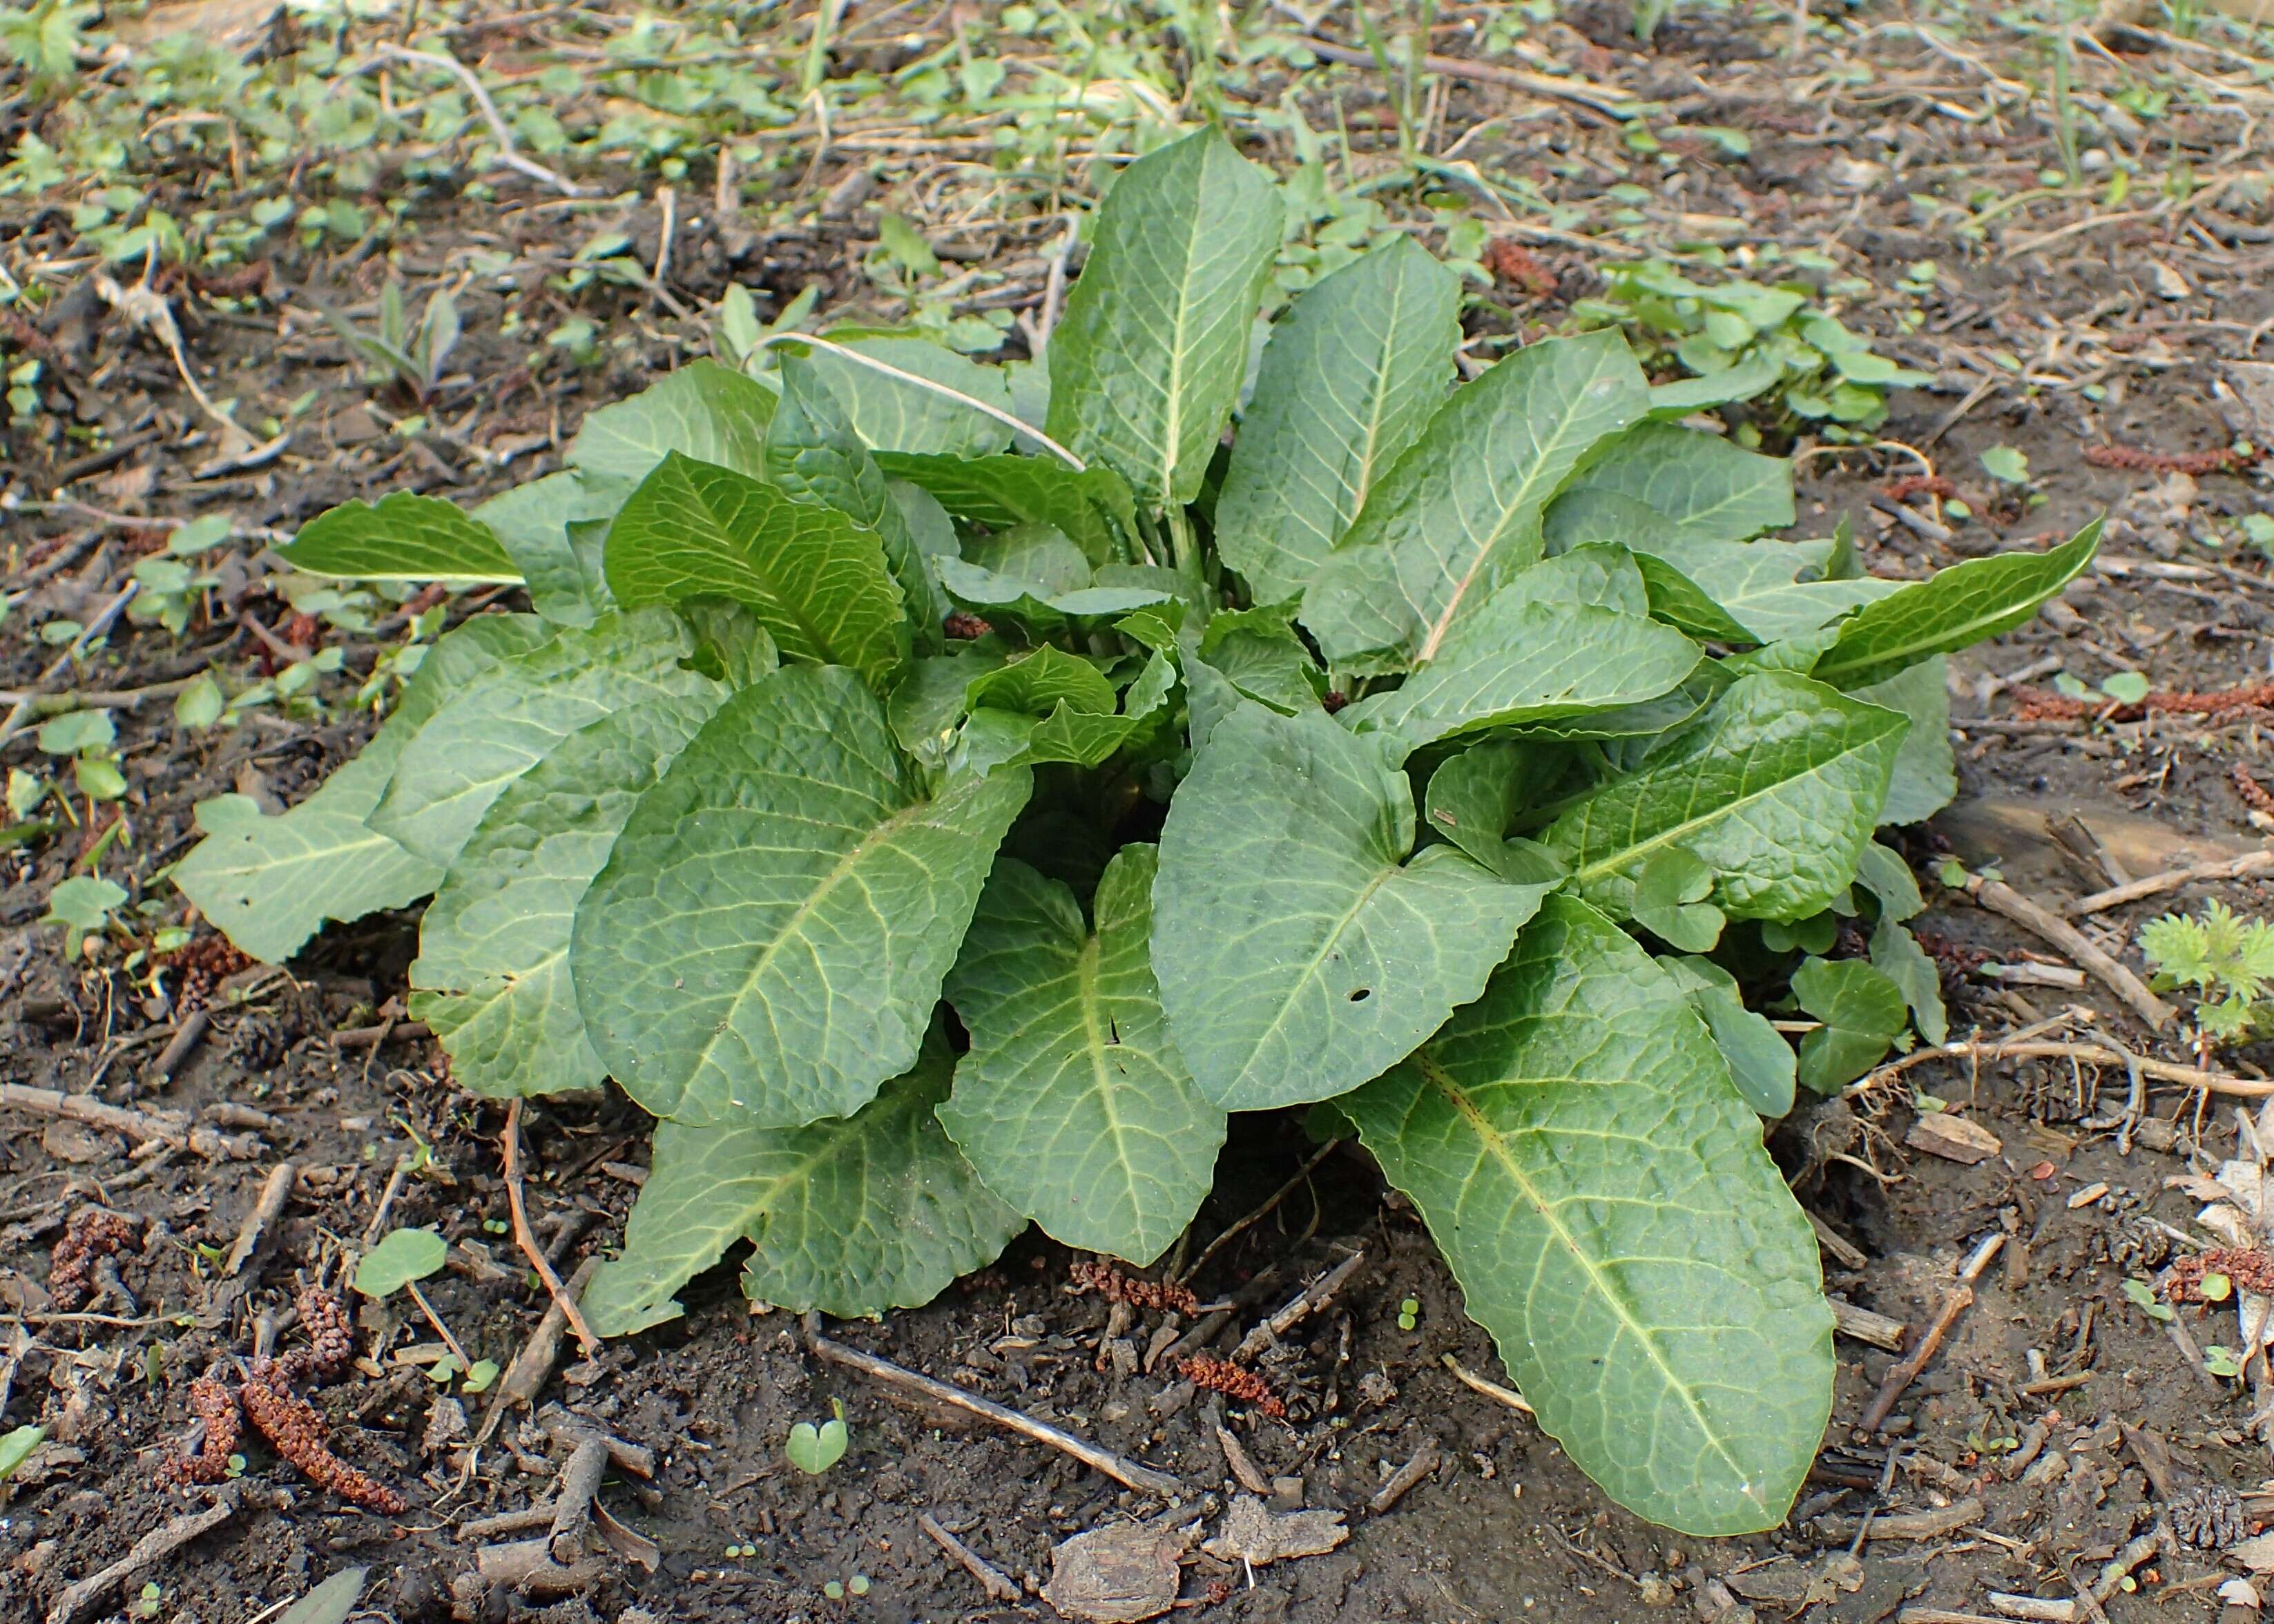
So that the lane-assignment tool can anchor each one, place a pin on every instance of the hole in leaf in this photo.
(1362, 995)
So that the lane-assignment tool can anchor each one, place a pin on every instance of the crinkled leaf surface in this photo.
(768, 938)
(405, 538)
(1604, 1199)
(1073, 1103)
(499, 725)
(532, 522)
(703, 410)
(999, 492)
(1776, 787)
(1927, 768)
(491, 977)
(817, 578)
(270, 882)
(893, 414)
(1460, 512)
(1531, 662)
(851, 1216)
(1299, 951)
(1351, 374)
(1952, 609)
(1708, 489)
(1153, 347)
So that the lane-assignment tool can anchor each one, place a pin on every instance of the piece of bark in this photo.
(1255, 1534)
(1952, 1138)
(1121, 1575)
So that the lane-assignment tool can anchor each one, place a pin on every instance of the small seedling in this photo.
(147, 1601)
(412, 357)
(479, 1377)
(815, 1450)
(1409, 1313)
(2216, 1287)
(401, 1257)
(16, 1448)
(2226, 958)
(2006, 465)
(2142, 1294)
(83, 905)
(2222, 1362)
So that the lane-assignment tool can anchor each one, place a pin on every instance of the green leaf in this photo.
(1258, 652)
(893, 414)
(401, 1257)
(1604, 1199)
(768, 938)
(1862, 1013)
(504, 723)
(332, 1602)
(817, 578)
(813, 1449)
(704, 412)
(1669, 901)
(1761, 1062)
(82, 902)
(1460, 512)
(270, 882)
(1529, 662)
(1300, 955)
(491, 977)
(852, 1216)
(1153, 347)
(2006, 465)
(1777, 787)
(1036, 682)
(1707, 488)
(1927, 768)
(1474, 797)
(1351, 376)
(1073, 1103)
(1952, 609)
(1042, 611)
(1889, 878)
(999, 492)
(77, 730)
(1896, 954)
(533, 523)
(16, 1448)
(933, 695)
(1685, 397)
(405, 538)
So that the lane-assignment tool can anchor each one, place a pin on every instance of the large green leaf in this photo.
(1776, 787)
(405, 538)
(851, 1216)
(1351, 374)
(893, 414)
(1299, 951)
(492, 976)
(1604, 1199)
(703, 410)
(269, 883)
(1952, 609)
(534, 522)
(1863, 1010)
(817, 577)
(768, 938)
(1531, 662)
(1153, 347)
(1707, 488)
(1460, 512)
(493, 729)
(1927, 768)
(1073, 1103)
(999, 492)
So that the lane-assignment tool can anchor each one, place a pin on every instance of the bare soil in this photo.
(1504, 1528)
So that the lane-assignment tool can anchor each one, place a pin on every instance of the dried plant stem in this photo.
(527, 1240)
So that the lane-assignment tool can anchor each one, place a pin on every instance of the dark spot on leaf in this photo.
(1362, 994)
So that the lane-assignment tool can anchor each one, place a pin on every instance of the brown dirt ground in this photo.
(1504, 1529)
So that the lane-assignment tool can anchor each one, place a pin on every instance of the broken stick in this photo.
(1114, 1466)
(2001, 897)
(1903, 1374)
(991, 1577)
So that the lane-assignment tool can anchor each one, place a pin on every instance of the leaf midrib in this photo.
(1627, 854)
(1496, 1146)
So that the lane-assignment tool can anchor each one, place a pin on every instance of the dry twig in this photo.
(527, 1241)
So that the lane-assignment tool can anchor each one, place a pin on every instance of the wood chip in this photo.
(1253, 1533)
(1120, 1574)
(2087, 1196)
(1953, 1138)
(1866, 1327)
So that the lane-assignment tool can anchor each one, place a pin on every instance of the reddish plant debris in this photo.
(2249, 1268)
(287, 1421)
(2255, 796)
(2036, 704)
(1957, 962)
(92, 1234)
(1223, 1376)
(203, 965)
(2223, 461)
(302, 631)
(1087, 1274)
(27, 338)
(1334, 701)
(292, 1425)
(212, 1402)
(1512, 263)
(965, 626)
(1919, 485)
